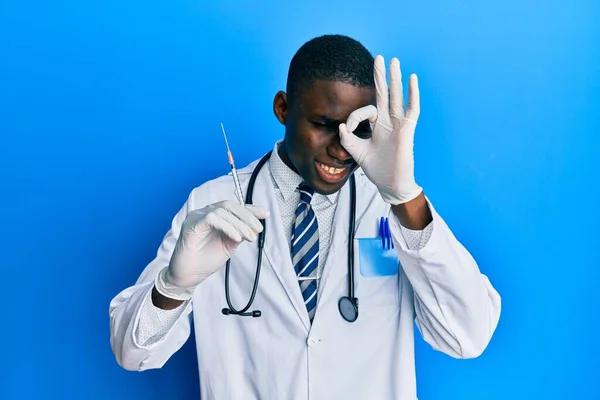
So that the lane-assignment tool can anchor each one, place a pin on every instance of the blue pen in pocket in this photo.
(385, 234)
(382, 231)
(389, 234)
(377, 257)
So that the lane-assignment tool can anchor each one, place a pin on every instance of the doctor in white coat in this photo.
(340, 119)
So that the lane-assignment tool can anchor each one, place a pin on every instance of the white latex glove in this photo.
(208, 238)
(387, 157)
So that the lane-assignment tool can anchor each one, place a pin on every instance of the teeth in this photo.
(332, 170)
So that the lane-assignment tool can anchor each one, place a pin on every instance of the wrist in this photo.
(163, 302)
(414, 214)
(399, 193)
(163, 285)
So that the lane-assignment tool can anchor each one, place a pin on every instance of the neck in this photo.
(283, 154)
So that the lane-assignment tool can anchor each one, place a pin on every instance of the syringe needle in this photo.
(225, 136)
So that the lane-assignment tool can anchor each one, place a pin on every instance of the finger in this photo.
(367, 112)
(219, 224)
(414, 99)
(381, 86)
(352, 143)
(396, 95)
(240, 226)
(257, 211)
(244, 214)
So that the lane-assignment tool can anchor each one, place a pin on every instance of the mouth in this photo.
(331, 174)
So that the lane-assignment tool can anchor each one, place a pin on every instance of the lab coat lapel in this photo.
(336, 266)
(277, 250)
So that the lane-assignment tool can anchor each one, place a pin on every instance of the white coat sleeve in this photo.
(154, 322)
(457, 309)
(126, 308)
(416, 240)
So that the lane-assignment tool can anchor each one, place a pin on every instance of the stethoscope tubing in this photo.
(348, 305)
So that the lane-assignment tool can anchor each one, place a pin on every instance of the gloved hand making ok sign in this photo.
(387, 157)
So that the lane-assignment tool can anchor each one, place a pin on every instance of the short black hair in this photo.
(335, 58)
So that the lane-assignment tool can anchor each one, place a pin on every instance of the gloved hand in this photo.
(387, 157)
(208, 238)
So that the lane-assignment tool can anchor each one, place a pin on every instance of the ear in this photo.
(280, 106)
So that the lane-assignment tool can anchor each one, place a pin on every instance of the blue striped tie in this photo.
(305, 248)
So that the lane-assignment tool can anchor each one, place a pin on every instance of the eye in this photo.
(363, 130)
(329, 127)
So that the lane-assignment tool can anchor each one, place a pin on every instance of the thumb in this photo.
(353, 144)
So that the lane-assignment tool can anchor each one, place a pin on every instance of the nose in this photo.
(337, 151)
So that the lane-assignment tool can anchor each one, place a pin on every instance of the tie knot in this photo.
(306, 193)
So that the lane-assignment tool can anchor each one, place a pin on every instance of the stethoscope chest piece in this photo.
(348, 309)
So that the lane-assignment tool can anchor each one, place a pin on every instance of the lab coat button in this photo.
(312, 341)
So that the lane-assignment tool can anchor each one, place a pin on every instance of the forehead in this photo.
(335, 99)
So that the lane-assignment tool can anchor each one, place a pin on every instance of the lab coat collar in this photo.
(285, 179)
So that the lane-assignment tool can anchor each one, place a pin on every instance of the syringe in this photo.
(236, 181)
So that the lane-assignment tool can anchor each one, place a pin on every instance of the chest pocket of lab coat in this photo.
(376, 274)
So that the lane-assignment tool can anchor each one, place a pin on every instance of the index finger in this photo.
(357, 116)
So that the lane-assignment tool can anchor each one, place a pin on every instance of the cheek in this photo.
(311, 140)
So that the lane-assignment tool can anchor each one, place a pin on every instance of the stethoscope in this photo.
(348, 305)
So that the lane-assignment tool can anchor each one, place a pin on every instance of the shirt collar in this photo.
(285, 179)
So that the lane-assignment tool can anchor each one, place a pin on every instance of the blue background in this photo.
(109, 116)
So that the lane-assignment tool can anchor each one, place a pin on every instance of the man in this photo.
(340, 120)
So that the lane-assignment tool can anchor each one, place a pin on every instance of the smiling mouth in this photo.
(331, 174)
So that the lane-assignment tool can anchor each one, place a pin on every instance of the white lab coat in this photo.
(280, 355)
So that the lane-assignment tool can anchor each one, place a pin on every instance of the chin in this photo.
(325, 188)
